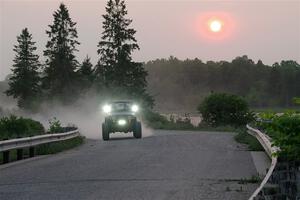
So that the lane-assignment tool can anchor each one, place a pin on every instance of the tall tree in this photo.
(24, 82)
(60, 76)
(115, 68)
(86, 73)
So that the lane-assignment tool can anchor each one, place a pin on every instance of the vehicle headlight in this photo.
(134, 108)
(107, 108)
(121, 122)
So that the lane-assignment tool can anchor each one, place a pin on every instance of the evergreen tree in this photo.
(24, 82)
(86, 73)
(60, 77)
(115, 68)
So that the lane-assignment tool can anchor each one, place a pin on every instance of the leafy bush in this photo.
(55, 126)
(225, 109)
(284, 130)
(17, 127)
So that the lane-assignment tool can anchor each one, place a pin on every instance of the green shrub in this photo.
(285, 132)
(55, 126)
(225, 109)
(17, 127)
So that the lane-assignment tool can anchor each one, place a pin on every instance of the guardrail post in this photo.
(19, 154)
(31, 152)
(5, 157)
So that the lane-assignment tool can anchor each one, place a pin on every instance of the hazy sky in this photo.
(266, 30)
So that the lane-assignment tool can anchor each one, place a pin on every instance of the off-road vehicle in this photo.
(121, 117)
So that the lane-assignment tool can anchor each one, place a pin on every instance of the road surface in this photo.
(167, 165)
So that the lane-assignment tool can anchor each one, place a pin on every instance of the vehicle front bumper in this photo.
(114, 126)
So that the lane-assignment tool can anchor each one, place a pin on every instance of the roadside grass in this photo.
(244, 138)
(45, 149)
(56, 147)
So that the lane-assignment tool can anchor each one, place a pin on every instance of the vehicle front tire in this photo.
(105, 132)
(137, 132)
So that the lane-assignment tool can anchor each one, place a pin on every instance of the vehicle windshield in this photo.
(121, 107)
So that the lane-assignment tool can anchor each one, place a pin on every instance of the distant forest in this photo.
(179, 85)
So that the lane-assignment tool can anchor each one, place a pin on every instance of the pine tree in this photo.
(86, 73)
(60, 77)
(115, 68)
(24, 82)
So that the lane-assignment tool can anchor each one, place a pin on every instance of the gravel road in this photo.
(167, 165)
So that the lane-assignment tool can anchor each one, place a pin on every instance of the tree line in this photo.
(183, 84)
(174, 84)
(62, 78)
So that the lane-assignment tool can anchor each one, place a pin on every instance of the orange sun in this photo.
(215, 25)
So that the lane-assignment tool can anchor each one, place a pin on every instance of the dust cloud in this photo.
(86, 114)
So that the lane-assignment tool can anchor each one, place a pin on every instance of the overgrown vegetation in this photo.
(219, 109)
(17, 127)
(284, 129)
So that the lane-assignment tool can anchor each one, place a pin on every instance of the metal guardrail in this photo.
(265, 141)
(19, 143)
